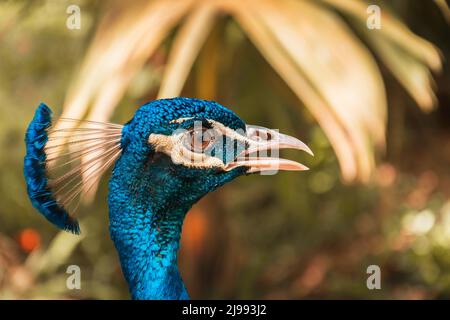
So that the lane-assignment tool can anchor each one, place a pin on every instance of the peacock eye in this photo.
(198, 140)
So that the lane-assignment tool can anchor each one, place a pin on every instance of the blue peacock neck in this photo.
(149, 259)
(146, 217)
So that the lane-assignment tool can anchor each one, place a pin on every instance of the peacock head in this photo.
(169, 155)
(189, 147)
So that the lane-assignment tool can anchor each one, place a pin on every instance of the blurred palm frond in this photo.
(442, 4)
(408, 56)
(333, 73)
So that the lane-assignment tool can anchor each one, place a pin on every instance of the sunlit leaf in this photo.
(410, 72)
(336, 65)
(407, 55)
(444, 8)
(284, 65)
(185, 49)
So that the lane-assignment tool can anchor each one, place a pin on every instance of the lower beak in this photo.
(260, 141)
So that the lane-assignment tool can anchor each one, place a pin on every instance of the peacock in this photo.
(168, 156)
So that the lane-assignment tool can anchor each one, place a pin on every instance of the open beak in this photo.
(262, 141)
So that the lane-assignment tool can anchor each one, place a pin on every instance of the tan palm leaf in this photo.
(306, 42)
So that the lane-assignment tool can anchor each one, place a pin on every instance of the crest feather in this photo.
(63, 163)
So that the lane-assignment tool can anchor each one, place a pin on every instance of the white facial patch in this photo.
(201, 147)
(188, 147)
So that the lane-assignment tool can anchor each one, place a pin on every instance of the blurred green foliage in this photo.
(285, 236)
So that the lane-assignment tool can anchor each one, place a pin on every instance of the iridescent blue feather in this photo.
(35, 172)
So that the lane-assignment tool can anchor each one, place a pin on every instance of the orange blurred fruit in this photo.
(29, 240)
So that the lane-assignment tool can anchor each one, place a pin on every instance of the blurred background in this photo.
(372, 103)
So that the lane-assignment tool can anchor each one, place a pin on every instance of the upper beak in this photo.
(259, 141)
